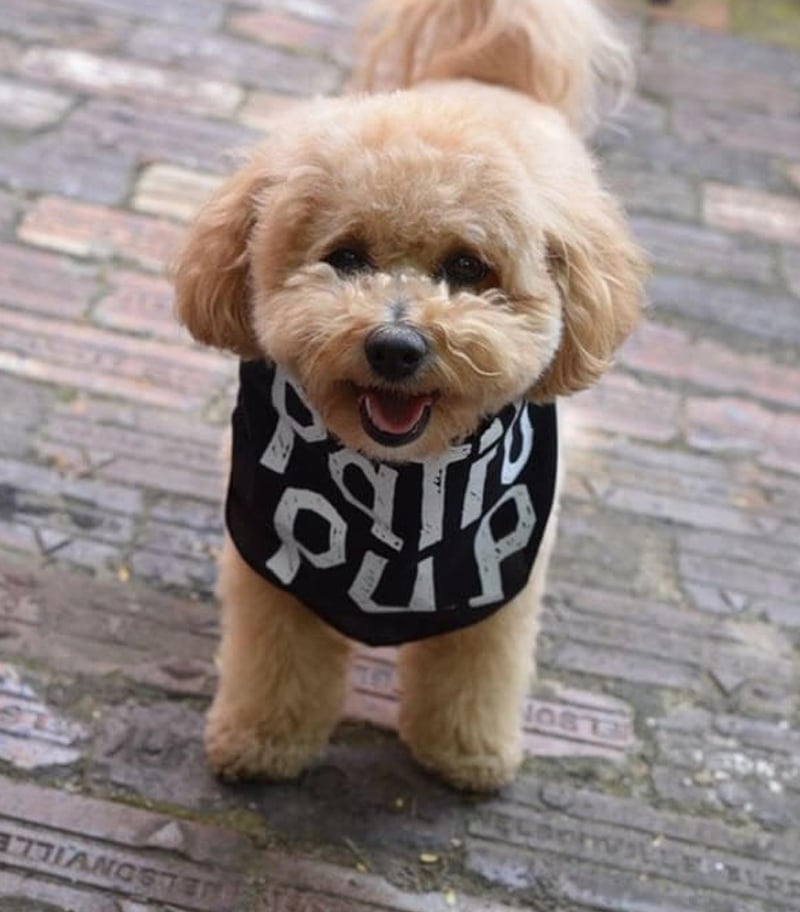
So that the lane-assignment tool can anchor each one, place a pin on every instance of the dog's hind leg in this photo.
(282, 679)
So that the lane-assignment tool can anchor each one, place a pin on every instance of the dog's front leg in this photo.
(282, 679)
(463, 692)
(462, 698)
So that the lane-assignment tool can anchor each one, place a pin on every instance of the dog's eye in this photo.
(462, 269)
(347, 260)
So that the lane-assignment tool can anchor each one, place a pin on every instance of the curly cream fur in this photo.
(450, 163)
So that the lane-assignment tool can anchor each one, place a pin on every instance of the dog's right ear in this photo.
(211, 273)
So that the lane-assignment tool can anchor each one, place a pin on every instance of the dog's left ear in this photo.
(599, 271)
(211, 273)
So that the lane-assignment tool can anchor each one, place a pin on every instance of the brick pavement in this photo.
(664, 736)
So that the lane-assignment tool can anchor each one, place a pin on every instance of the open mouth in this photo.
(394, 419)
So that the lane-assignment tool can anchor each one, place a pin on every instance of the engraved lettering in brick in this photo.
(579, 723)
(652, 854)
(573, 723)
(77, 859)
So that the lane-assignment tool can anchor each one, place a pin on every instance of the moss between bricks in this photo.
(775, 21)
(768, 20)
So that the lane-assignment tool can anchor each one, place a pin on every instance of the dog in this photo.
(411, 275)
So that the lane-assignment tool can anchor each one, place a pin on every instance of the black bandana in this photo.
(387, 553)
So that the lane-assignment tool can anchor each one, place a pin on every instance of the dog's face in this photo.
(414, 267)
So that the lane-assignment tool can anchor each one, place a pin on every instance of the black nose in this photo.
(395, 352)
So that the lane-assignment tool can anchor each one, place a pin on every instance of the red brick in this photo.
(261, 108)
(279, 28)
(739, 425)
(79, 625)
(726, 424)
(127, 79)
(753, 212)
(674, 354)
(622, 405)
(94, 231)
(173, 191)
(42, 283)
(107, 363)
(145, 855)
(710, 14)
(556, 723)
(140, 304)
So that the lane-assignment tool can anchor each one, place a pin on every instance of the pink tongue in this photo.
(395, 414)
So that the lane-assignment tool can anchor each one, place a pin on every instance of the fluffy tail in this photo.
(556, 51)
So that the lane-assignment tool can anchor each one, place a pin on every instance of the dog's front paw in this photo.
(466, 762)
(237, 751)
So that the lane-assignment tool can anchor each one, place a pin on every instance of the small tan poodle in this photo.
(411, 276)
